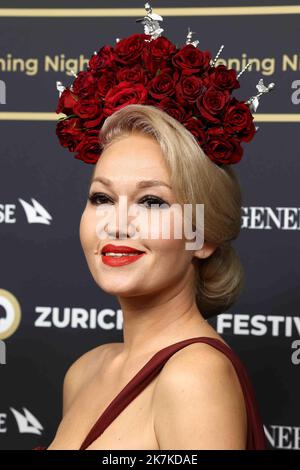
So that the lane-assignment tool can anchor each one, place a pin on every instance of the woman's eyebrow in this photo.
(141, 184)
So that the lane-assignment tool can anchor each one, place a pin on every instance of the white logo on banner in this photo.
(27, 423)
(258, 325)
(283, 437)
(10, 313)
(77, 317)
(109, 319)
(35, 213)
(267, 218)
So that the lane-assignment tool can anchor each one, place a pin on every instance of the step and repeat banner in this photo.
(51, 310)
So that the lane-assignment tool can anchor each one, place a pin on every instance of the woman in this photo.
(173, 383)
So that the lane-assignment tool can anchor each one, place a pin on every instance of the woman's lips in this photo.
(120, 260)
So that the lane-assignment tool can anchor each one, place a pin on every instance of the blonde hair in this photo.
(195, 179)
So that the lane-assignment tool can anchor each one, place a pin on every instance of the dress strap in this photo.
(255, 434)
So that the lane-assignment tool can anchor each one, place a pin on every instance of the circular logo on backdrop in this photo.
(10, 314)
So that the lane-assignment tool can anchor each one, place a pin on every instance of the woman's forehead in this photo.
(132, 158)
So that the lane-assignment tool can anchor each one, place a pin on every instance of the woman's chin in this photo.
(117, 288)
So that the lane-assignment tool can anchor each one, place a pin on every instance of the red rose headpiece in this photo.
(148, 69)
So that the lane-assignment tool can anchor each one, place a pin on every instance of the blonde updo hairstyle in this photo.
(195, 179)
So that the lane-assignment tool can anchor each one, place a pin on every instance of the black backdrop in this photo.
(45, 285)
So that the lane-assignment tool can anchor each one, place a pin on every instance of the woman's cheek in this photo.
(86, 230)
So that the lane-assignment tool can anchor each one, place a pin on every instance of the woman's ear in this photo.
(206, 250)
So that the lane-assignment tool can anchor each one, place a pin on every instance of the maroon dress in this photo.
(255, 433)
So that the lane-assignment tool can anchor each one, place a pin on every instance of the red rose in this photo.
(123, 94)
(161, 86)
(215, 131)
(196, 127)
(151, 102)
(104, 59)
(94, 122)
(223, 78)
(189, 89)
(66, 102)
(89, 149)
(161, 49)
(212, 103)
(87, 108)
(69, 132)
(174, 109)
(157, 54)
(191, 60)
(239, 120)
(223, 150)
(128, 50)
(84, 84)
(135, 74)
(105, 82)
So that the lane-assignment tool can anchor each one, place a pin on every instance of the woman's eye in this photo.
(154, 200)
(97, 199)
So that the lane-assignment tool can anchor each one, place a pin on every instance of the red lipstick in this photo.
(133, 255)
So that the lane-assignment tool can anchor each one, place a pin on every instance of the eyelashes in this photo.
(97, 199)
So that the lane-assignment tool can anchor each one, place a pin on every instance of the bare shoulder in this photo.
(82, 369)
(198, 401)
(197, 361)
